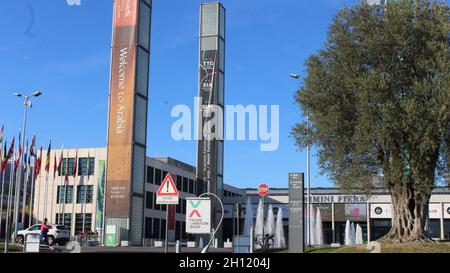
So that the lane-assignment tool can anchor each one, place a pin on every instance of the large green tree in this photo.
(378, 96)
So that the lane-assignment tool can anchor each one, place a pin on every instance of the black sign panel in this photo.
(207, 147)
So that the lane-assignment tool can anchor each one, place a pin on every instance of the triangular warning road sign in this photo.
(167, 187)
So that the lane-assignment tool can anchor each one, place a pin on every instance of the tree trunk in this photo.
(410, 210)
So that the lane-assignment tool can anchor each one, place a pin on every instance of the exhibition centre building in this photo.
(78, 203)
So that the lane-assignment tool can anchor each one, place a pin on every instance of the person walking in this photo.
(44, 232)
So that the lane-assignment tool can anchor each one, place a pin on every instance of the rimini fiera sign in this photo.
(127, 125)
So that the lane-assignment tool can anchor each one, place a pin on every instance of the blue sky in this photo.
(64, 52)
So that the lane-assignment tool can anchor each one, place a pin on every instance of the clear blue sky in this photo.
(64, 52)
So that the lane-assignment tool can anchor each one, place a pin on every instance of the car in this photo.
(57, 234)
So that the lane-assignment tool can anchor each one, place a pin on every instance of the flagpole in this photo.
(1, 201)
(25, 185)
(66, 182)
(8, 210)
(74, 196)
(17, 190)
(74, 192)
(47, 161)
(60, 184)
(52, 195)
(83, 212)
(39, 185)
(33, 172)
(45, 196)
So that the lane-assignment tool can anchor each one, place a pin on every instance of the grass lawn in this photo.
(389, 248)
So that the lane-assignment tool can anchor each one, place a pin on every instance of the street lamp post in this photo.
(27, 104)
(308, 184)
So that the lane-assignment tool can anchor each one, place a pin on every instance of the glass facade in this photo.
(83, 221)
(86, 166)
(64, 219)
(64, 190)
(84, 194)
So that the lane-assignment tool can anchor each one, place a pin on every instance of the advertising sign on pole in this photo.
(198, 215)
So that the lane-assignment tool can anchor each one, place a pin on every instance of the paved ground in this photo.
(134, 250)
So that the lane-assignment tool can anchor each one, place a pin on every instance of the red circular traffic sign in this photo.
(263, 190)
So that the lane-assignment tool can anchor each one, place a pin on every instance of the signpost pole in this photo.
(167, 195)
(166, 247)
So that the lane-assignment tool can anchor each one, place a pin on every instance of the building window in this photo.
(148, 227)
(185, 184)
(86, 166)
(150, 174)
(67, 170)
(158, 177)
(64, 190)
(179, 182)
(64, 219)
(163, 226)
(155, 206)
(84, 194)
(79, 217)
(178, 208)
(149, 200)
(191, 186)
(184, 206)
(164, 175)
(156, 228)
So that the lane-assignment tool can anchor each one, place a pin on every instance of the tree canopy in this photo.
(378, 95)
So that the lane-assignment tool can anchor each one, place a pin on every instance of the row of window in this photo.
(64, 194)
(184, 184)
(86, 166)
(83, 221)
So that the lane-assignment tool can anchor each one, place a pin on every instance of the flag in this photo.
(37, 164)
(55, 167)
(2, 134)
(4, 160)
(19, 154)
(74, 170)
(60, 163)
(8, 155)
(25, 154)
(47, 159)
(32, 148)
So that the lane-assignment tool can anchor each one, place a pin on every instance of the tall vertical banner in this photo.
(127, 125)
(100, 194)
(296, 212)
(210, 146)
